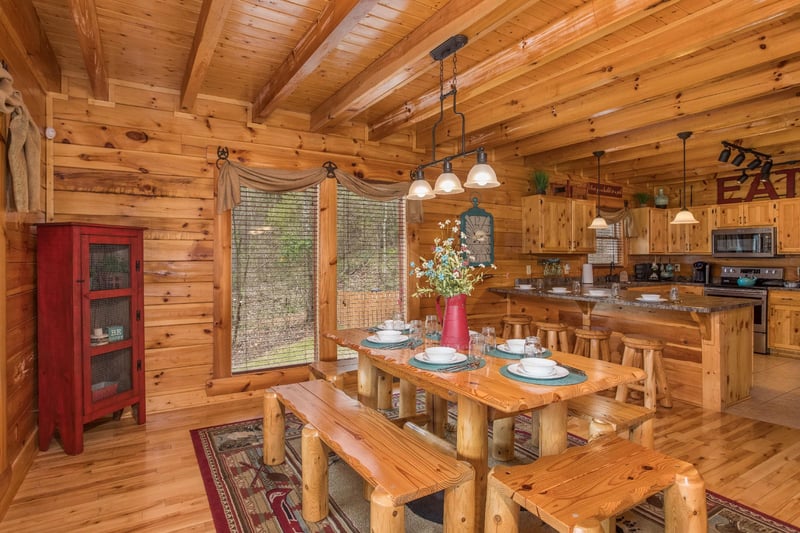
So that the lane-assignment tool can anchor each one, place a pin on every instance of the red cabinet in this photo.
(90, 328)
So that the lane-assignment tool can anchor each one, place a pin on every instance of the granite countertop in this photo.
(687, 303)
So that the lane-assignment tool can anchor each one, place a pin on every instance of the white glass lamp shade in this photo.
(481, 176)
(420, 190)
(684, 216)
(447, 182)
(598, 223)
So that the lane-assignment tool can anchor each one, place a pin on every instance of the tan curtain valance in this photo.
(621, 215)
(232, 176)
(24, 146)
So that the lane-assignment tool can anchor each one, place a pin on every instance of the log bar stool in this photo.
(516, 326)
(553, 335)
(593, 343)
(648, 353)
(583, 488)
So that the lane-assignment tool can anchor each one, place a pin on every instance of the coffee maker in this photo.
(701, 272)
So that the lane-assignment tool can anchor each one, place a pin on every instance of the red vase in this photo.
(455, 332)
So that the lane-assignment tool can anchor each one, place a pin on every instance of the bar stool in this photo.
(553, 335)
(647, 352)
(516, 326)
(593, 343)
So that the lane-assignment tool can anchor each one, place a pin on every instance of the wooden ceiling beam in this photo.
(84, 15)
(206, 36)
(637, 59)
(333, 25)
(21, 23)
(578, 28)
(409, 58)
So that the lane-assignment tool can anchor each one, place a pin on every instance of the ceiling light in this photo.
(725, 154)
(754, 164)
(420, 189)
(766, 169)
(598, 222)
(481, 176)
(447, 182)
(741, 179)
(739, 159)
(684, 216)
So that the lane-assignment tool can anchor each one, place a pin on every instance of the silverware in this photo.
(573, 369)
(468, 365)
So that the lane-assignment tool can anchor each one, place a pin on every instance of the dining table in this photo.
(491, 388)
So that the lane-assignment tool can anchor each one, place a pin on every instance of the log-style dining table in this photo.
(478, 391)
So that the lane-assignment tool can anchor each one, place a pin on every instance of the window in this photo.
(273, 258)
(608, 244)
(371, 272)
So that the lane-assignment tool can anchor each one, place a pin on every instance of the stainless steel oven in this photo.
(759, 293)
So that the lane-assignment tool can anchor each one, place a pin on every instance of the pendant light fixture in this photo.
(684, 216)
(598, 222)
(482, 175)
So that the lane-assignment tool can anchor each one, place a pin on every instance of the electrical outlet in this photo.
(676, 267)
(528, 269)
(798, 272)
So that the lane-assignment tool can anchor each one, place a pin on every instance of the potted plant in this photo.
(642, 198)
(539, 181)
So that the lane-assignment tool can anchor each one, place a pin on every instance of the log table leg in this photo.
(367, 382)
(274, 429)
(685, 504)
(383, 515)
(473, 446)
(384, 389)
(408, 399)
(503, 438)
(314, 454)
(552, 428)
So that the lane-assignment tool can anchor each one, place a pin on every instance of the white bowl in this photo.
(525, 286)
(598, 292)
(559, 289)
(651, 297)
(538, 367)
(440, 354)
(388, 335)
(516, 345)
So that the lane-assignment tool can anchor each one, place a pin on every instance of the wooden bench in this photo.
(334, 371)
(606, 415)
(399, 466)
(584, 488)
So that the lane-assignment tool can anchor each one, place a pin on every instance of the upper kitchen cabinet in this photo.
(788, 213)
(650, 230)
(690, 238)
(555, 224)
(745, 214)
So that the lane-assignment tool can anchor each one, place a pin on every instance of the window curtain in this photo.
(232, 176)
(621, 215)
(24, 146)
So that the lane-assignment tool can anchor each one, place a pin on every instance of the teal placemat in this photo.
(494, 352)
(422, 365)
(410, 343)
(571, 379)
(434, 336)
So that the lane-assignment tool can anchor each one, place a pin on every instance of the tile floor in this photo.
(775, 397)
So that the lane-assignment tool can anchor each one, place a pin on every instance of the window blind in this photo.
(608, 246)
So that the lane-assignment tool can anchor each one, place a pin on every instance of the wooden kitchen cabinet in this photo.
(760, 213)
(783, 336)
(788, 215)
(690, 238)
(90, 328)
(651, 227)
(555, 224)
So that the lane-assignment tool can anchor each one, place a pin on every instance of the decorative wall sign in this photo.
(782, 184)
(614, 191)
(478, 226)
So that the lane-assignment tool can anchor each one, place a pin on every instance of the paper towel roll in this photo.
(587, 274)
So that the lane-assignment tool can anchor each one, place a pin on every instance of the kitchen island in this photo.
(708, 355)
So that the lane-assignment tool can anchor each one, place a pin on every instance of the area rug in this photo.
(246, 496)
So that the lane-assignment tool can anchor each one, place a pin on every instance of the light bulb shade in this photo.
(724, 155)
(420, 189)
(598, 223)
(754, 164)
(739, 159)
(447, 183)
(481, 176)
(684, 216)
(741, 179)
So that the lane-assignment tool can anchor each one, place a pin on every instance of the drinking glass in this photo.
(674, 296)
(539, 285)
(431, 327)
(398, 320)
(489, 337)
(477, 344)
(533, 347)
(615, 290)
(576, 287)
(415, 331)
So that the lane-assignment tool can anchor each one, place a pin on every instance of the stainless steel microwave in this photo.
(744, 242)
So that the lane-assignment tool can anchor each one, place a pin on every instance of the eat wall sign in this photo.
(780, 185)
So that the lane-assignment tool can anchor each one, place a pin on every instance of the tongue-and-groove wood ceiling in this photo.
(546, 81)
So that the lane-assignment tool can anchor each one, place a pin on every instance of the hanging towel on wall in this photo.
(24, 147)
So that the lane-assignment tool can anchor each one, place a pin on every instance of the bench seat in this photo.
(606, 415)
(399, 466)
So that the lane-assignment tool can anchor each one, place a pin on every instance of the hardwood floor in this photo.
(145, 478)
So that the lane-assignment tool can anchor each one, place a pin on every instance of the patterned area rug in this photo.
(245, 496)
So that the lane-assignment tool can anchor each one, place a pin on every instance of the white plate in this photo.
(457, 358)
(659, 300)
(383, 326)
(525, 286)
(558, 373)
(599, 292)
(505, 349)
(377, 340)
(559, 290)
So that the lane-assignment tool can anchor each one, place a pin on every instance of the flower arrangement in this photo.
(448, 273)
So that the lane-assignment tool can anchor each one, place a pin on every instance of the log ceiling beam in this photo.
(206, 36)
(333, 25)
(633, 59)
(409, 58)
(582, 26)
(21, 23)
(84, 15)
